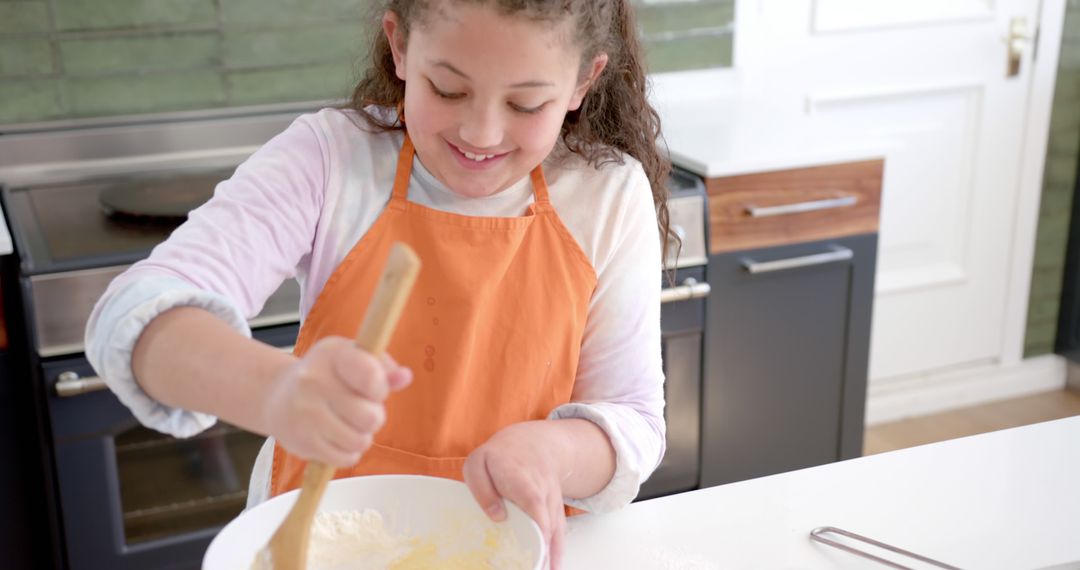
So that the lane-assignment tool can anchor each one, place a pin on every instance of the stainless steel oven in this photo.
(125, 496)
(118, 495)
(682, 323)
(130, 497)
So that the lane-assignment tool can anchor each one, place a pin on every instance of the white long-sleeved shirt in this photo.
(297, 206)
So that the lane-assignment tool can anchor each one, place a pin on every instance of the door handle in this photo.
(835, 253)
(1015, 41)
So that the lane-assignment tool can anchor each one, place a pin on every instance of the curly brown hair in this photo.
(615, 116)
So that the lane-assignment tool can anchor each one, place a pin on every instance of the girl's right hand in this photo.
(328, 405)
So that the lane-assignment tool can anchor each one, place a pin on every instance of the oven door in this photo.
(682, 325)
(130, 497)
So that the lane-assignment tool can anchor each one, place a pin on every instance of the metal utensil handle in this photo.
(690, 289)
(817, 535)
(837, 253)
(799, 207)
(69, 384)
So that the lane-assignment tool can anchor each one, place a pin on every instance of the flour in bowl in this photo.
(362, 540)
(354, 539)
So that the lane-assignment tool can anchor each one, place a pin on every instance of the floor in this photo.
(970, 421)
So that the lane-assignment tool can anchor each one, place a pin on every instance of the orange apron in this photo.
(492, 329)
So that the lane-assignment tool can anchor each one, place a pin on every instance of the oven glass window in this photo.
(172, 486)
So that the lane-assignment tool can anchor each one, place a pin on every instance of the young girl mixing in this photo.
(510, 143)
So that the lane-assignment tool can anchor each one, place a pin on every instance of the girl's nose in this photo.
(482, 127)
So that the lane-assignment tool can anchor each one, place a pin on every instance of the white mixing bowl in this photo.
(423, 506)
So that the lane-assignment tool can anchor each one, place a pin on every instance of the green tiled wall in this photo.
(64, 59)
(81, 15)
(1059, 182)
(687, 35)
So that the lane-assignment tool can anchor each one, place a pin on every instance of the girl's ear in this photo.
(598, 64)
(392, 28)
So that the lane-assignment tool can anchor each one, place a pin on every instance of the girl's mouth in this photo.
(475, 161)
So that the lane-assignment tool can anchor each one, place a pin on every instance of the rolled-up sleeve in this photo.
(133, 301)
(228, 258)
(620, 379)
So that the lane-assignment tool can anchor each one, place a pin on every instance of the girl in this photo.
(510, 143)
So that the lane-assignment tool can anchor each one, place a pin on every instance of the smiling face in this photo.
(485, 93)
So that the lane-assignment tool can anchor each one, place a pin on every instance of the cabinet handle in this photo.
(690, 289)
(837, 253)
(799, 207)
(69, 384)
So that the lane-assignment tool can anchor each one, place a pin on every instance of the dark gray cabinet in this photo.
(787, 339)
(787, 331)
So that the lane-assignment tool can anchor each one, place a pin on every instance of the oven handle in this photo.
(690, 289)
(69, 383)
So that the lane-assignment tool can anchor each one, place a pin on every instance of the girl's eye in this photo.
(444, 94)
(528, 110)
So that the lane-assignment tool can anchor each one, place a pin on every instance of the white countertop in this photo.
(1007, 499)
(717, 123)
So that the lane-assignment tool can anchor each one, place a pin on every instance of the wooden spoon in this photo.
(288, 547)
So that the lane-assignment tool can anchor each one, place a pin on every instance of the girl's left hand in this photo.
(523, 463)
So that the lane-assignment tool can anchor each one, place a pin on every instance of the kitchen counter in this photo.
(1008, 499)
(720, 123)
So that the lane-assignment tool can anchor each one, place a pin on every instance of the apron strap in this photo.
(404, 169)
(540, 189)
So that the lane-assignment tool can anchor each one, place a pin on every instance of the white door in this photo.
(930, 80)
